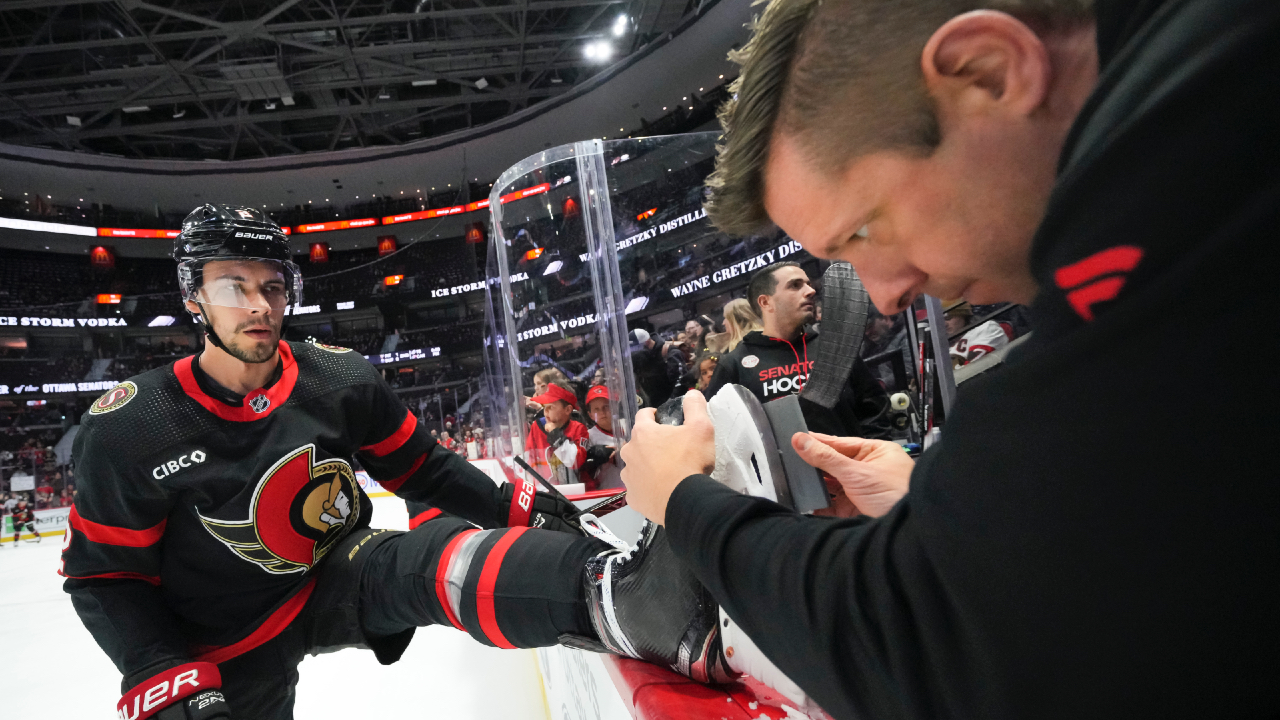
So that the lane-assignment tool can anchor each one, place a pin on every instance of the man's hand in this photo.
(658, 457)
(873, 474)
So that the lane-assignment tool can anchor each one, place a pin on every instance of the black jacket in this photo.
(771, 368)
(1091, 537)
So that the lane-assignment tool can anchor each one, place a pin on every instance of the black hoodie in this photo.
(1097, 534)
(771, 368)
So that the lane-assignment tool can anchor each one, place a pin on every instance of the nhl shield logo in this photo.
(300, 510)
(259, 403)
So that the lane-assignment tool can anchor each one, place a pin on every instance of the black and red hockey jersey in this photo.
(200, 522)
(23, 516)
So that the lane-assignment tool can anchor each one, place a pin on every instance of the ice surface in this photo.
(57, 671)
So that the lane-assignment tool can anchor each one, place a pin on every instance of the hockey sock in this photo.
(508, 587)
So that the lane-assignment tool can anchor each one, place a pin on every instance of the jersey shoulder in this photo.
(323, 369)
(144, 413)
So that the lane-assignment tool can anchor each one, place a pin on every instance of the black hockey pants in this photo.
(509, 588)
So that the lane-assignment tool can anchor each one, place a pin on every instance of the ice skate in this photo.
(747, 460)
(644, 604)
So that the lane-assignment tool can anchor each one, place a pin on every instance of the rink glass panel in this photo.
(589, 235)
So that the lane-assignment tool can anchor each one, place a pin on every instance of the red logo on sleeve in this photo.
(1097, 278)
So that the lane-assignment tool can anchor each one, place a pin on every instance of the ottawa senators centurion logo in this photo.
(300, 510)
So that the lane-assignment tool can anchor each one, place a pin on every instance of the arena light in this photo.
(599, 51)
(553, 268)
(162, 321)
(620, 26)
(37, 226)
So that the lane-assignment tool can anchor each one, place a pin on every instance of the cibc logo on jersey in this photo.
(300, 510)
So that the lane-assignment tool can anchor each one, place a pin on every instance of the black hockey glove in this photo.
(186, 692)
(597, 455)
(207, 705)
(528, 508)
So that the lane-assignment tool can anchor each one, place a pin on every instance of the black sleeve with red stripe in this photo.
(111, 559)
(400, 454)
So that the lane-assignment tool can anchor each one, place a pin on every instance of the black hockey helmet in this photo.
(226, 232)
(230, 232)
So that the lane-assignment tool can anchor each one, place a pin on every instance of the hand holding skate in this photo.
(659, 457)
(874, 474)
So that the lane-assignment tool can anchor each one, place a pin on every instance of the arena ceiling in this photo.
(237, 80)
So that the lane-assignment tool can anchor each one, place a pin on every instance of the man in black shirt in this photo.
(1084, 541)
(774, 362)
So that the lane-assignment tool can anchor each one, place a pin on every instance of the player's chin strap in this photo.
(202, 316)
(186, 692)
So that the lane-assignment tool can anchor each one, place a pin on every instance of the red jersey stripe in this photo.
(397, 439)
(395, 483)
(149, 579)
(442, 576)
(1119, 259)
(111, 535)
(271, 627)
(422, 517)
(277, 394)
(485, 609)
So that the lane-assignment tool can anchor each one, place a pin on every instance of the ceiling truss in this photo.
(224, 80)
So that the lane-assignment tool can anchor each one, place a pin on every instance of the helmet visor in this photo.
(247, 282)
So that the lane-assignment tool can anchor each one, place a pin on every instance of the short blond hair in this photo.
(843, 77)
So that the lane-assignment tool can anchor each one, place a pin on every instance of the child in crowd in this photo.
(602, 457)
(557, 443)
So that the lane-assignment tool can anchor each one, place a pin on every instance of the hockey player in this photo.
(23, 519)
(220, 535)
(774, 361)
(557, 443)
(979, 341)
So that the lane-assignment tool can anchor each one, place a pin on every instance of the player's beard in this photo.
(255, 351)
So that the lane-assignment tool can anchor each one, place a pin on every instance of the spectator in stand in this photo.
(602, 456)
(979, 341)
(706, 368)
(541, 380)
(657, 366)
(696, 331)
(775, 361)
(739, 319)
(557, 443)
(882, 334)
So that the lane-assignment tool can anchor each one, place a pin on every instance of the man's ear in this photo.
(765, 302)
(986, 62)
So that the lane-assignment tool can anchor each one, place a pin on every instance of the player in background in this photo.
(557, 443)
(602, 456)
(774, 361)
(979, 341)
(23, 519)
(219, 534)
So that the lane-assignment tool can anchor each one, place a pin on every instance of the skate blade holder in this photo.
(808, 489)
(777, 472)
